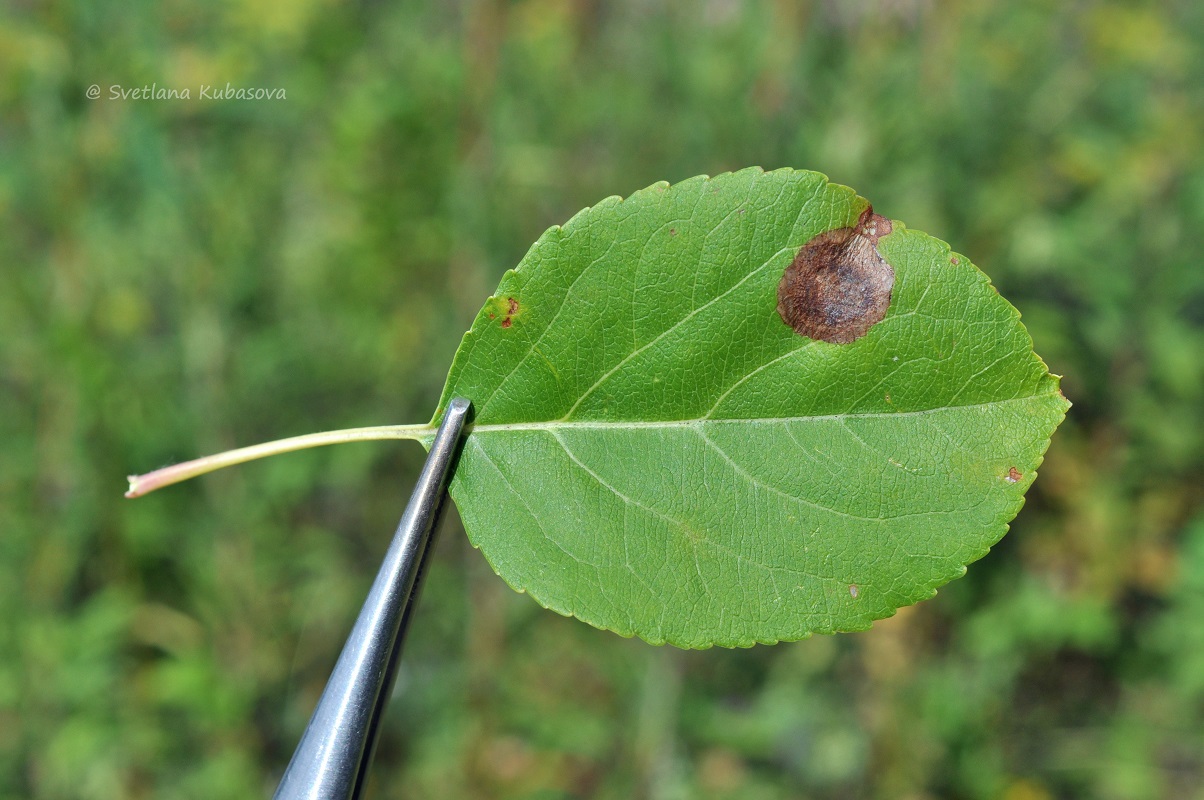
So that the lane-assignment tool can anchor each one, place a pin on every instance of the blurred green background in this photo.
(180, 277)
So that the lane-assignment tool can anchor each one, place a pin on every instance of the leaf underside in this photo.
(656, 453)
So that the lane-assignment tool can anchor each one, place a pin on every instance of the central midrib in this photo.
(701, 421)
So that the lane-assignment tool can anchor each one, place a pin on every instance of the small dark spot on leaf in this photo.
(953, 260)
(838, 286)
(511, 310)
(853, 590)
(1014, 475)
(492, 315)
(673, 231)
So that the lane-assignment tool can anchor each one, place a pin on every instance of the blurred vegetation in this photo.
(184, 276)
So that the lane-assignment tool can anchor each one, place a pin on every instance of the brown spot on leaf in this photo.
(953, 260)
(1013, 475)
(673, 231)
(838, 286)
(853, 590)
(511, 310)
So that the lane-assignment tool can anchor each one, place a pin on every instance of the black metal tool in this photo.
(331, 761)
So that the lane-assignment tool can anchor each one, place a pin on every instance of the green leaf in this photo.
(657, 453)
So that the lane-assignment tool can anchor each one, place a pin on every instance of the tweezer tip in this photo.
(458, 405)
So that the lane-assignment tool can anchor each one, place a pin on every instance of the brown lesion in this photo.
(511, 310)
(838, 286)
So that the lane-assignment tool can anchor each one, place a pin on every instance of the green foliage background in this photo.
(184, 276)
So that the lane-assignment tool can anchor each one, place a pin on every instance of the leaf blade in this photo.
(642, 415)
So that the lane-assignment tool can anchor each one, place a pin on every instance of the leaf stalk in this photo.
(144, 484)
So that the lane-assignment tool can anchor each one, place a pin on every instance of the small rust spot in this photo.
(673, 231)
(838, 286)
(953, 260)
(511, 310)
(1014, 475)
(853, 590)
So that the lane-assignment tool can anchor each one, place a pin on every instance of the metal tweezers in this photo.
(331, 761)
